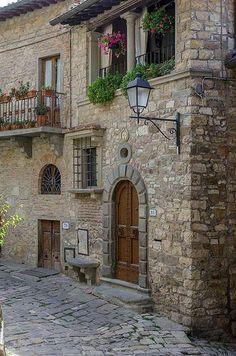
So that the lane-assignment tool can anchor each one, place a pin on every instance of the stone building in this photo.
(92, 181)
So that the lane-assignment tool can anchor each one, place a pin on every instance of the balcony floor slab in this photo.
(31, 132)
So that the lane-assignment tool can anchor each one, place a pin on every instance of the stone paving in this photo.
(57, 316)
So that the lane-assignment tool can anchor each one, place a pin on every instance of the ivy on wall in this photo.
(102, 90)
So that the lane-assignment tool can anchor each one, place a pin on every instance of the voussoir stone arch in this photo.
(119, 173)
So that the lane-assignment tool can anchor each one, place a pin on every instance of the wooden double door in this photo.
(127, 232)
(49, 244)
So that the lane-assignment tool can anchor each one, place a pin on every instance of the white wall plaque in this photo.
(65, 226)
(153, 212)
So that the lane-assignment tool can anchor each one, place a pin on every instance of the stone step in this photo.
(124, 294)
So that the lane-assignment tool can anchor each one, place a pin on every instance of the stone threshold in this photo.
(178, 75)
(124, 294)
(124, 284)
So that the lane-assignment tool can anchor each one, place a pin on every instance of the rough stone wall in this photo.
(211, 153)
(188, 255)
(26, 39)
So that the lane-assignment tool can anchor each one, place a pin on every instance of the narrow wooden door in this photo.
(49, 251)
(127, 236)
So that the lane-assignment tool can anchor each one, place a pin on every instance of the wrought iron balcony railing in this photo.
(34, 110)
(120, 68)
(157, 57)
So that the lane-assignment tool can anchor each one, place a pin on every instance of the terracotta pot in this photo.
(32, 93)
(27, 126)
(48, 92)
(14, 126)
(7, 127)
(41, 120)
(5, 99)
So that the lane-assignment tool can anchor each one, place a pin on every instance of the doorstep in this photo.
(124, 294)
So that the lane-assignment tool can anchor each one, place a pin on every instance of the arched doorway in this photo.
(119, 175)
(126, 232)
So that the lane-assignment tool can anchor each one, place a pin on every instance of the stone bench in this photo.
(86, 267)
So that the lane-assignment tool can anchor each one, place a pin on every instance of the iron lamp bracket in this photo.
(175, 131)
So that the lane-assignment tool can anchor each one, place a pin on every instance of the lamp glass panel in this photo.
(143, 95)
(132, 97)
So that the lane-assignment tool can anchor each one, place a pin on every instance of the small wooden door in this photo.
(127, 235)
(49, 245)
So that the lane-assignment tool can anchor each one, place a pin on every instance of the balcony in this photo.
(23, 118)
(18, 113)
(157, 57)
(120, 68)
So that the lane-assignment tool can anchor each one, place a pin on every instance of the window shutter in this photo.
(94, 56)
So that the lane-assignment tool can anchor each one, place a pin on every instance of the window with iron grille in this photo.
(84, 163)
(51, 180)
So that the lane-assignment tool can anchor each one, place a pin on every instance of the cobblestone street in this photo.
(57, 316)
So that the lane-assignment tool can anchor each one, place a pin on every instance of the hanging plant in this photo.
(115, 42)
(158, 22)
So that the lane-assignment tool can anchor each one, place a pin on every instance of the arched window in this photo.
(51, 180)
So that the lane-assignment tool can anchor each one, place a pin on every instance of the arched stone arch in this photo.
(124, 172)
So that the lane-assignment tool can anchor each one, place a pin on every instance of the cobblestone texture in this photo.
(57, 316)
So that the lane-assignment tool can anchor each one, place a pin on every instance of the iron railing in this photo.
(120, 68)
(20, 112)
(157, 57)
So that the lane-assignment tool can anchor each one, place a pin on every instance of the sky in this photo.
(6, 2)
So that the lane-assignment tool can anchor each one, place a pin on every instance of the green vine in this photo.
(103, 89)
(7, 220)
(148, 71)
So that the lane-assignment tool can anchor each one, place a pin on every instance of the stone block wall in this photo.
(191, 242)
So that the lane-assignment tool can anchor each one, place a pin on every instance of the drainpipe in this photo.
(230, 59)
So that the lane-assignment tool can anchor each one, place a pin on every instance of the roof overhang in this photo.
(24, 6)
(85, 11)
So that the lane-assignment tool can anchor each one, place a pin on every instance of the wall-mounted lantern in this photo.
(138, 92)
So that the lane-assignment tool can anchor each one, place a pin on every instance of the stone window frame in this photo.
(124, 172)
(96, 138)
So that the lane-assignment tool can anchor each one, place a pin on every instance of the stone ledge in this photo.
(31, 132)
(189, 73)
(86, 191)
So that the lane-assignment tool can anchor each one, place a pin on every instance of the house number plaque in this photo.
(153, 212)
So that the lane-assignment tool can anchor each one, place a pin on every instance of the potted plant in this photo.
(41, 113)
(115, 42)
(22, 91)
(47, 90)
(4, 98)
(19, 124)
(14, 125)
(158, 22)
(7, 125)
(1, 124)
(32, 93)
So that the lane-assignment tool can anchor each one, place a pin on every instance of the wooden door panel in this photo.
(50, 240)
(127, 241)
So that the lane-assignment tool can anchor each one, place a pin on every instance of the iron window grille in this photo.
(84, 163)
(51, 180)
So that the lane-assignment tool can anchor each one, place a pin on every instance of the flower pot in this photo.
(41, 120)
(49, 92)
(14, 126)
(7, 127)
(32, 93)
(5, 99)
